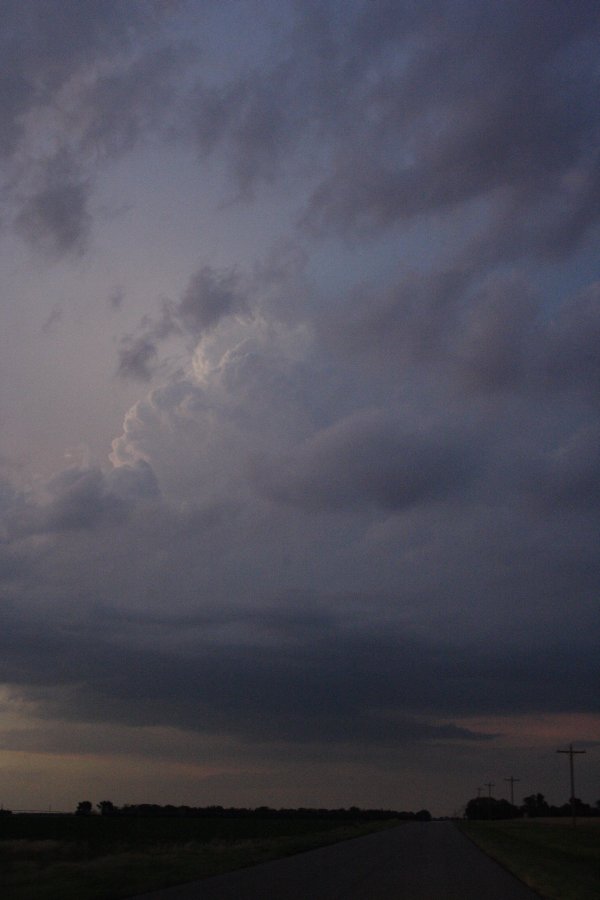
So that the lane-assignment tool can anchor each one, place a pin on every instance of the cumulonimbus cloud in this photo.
(210, 297)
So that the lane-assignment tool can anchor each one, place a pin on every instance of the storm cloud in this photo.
(301, 329)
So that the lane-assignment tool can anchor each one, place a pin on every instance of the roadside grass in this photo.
(556, 860)
(99, 866)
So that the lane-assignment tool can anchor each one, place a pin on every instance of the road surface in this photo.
(415, 861)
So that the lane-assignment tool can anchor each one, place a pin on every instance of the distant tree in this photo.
(107, 808)
(535, 805)
(490, 808)
(423, 815)
(580, 808)
(84, 808)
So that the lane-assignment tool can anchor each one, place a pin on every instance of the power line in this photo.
(512, 791)
(572, 753)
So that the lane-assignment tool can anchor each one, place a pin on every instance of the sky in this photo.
(299, 401)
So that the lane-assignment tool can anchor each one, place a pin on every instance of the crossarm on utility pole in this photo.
(512, 781)
(572, 753)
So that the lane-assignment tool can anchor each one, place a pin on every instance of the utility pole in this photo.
(489, 785)
(572, 753)
(512, 788)
(478, 793)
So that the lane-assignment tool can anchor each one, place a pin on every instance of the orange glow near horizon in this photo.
(537, 729)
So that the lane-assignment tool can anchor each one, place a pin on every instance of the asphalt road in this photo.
(415, 861)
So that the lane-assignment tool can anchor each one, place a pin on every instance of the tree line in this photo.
(108, 808)
(533, 806)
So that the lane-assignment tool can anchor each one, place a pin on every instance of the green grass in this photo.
(102, 858)
(556, 860)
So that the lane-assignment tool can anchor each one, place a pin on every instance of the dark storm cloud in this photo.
(572, 353)
(127, 103)
(57, 35)
(493, 344)
(402, 324)
(489, 99)
(422, 110)
(507, 337)
(492, 335)
(396, 111)
(209, 297)
(83, 499)
(568, 476)
(138, 357)
(367, 459)
(53, 56)
(250, 120)
(365, 505)
(45, 43)
(334, 688)
(56, 219)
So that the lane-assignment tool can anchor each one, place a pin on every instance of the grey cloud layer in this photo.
(400, 111)
(363, 460)
(488, 336)
(334, 686)
(409, 523)
(364, 503)
(94, 74)
(81, 499)
(426, 110)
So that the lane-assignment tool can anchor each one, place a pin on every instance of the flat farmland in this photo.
(558, 861)
(107, 858)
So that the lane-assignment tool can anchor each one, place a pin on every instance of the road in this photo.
(415, 861)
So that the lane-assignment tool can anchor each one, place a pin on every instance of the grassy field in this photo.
(105, 858)
(556, 860)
